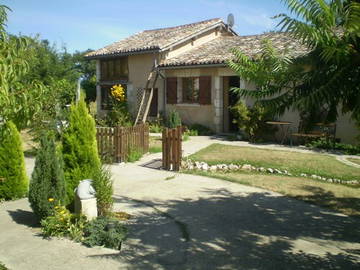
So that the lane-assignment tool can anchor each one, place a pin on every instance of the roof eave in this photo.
(181, 66)
(120, 54)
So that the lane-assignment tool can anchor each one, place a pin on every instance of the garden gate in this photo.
(171, 148)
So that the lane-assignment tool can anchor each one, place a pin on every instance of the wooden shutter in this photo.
(205, 90)
(171, 90)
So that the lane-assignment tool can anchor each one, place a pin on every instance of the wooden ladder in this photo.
(146, 97)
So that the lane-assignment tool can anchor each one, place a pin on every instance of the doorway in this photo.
(230, 99)
(153, 111)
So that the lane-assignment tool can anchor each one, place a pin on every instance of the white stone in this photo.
(269, 170)
(262, 169)
(205, 167)
(213, 168)
(86, 207)
(233, 167)
(246, 167)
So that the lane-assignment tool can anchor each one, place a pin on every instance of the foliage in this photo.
(119, 114)
(79, 147)
(47, 180)
(199, 130)
(3, 267)
(13, 179)
(134, 154)
(324, 143)
(61, 223)
(20, 98)
(251, 120)
(105, 231)
(174, 120)
(103, 186)
(157, 125)
(327, 77)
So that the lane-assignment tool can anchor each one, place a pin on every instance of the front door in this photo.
(230, 99)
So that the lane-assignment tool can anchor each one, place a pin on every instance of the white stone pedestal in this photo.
(86, 207)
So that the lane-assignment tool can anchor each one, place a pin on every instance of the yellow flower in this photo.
(51, 199)
(118, 92)
(62, 212)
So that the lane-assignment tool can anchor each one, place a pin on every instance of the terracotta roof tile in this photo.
(155, 39)
(218, 51)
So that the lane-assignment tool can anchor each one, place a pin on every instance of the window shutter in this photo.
(171, 90)
(205, 90)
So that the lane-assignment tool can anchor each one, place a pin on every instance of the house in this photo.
(194, 78)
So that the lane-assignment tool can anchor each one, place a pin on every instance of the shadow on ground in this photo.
(241, 231)
(24, 217)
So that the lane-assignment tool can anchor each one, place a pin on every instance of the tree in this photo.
(47, 180)
(79, 147)
(328, 77)
(13, 179)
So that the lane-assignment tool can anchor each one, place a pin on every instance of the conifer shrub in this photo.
(47, 180)
(103, 186)
(13, 179)
(174, 120)
(79, 148)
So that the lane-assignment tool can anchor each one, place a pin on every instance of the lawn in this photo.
(294, 162)
(155, 144)
(344, 199)
(355, 160)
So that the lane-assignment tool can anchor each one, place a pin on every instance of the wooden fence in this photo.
(171, 148)
(115, 143)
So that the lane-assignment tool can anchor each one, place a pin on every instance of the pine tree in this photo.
(81, 160)
(47, 180)
(13, 179)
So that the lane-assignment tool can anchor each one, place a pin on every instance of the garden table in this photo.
(284, 128)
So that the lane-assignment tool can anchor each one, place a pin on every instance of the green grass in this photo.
(155, 144)
(294, 162)
(344, 199)
(355, 160)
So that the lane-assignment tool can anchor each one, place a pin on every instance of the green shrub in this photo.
(47, 180)
(199, 130)
(134, 154)
(81, 160)
(13, 179)
(104, 231)
(103, 186)
(327, 144)
(174, 120)
(252, 120)
(63, 224)
(157, 125)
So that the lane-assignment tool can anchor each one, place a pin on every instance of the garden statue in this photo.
(85, 200)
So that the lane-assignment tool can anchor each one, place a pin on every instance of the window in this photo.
(190, 90)
(114, 69)
(106, 96)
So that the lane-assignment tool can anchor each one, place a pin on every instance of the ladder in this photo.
(146, 97)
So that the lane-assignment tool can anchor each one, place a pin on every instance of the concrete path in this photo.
(191, 222)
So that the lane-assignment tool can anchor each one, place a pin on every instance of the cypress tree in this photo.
(13, 179)
(81, 160)
(47, 180)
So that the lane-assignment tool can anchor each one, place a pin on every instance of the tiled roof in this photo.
(218, 51)
(156, 39)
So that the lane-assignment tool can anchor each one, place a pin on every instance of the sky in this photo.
(89, 24)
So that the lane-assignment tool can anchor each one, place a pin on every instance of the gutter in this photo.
(192, 66)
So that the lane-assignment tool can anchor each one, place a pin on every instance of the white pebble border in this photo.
(203, 166)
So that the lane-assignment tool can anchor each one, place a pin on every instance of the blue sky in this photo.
(83, 24)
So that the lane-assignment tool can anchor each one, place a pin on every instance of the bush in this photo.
(252, 120)
(104, 231)
(327, 144)
(134, 154)
(63, 224)
(174, 120)
(79, 147)
(13, 179)
(47, 180)
(199, 130)
(103, 186)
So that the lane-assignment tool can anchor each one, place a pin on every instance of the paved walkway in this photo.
(192, 222)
